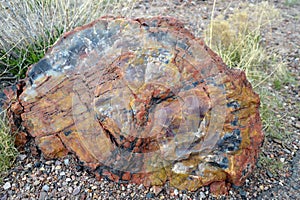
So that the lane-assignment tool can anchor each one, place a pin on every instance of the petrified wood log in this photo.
(141, 101)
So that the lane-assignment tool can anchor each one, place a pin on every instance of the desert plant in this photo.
(274, 165)
(39, 23)
(237, 39)
(17, 60)
(7, 150)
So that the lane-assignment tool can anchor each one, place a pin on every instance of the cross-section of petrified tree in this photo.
(142, 101)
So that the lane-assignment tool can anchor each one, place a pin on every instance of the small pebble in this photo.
(42, 196)
(266, 188)
(176, 192)
(149, 195)
(66, 161)
(68, 179)
(202, 195)
(287, 151)
(76, 190)
(29, 165)
(37, 164)
(141, 186)
(58, 167)
(184, 197)
(57, 162)
(42, 169)
(261, 187)
(242, 193)
(270, 175)
(22, 156)
(46, 188)
(49, 162)
(6, 186)
(297, 125)
(36, 183)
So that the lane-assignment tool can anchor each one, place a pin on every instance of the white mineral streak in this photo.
(180, 168)
(29, 93)
(59, 61)
(201, 130)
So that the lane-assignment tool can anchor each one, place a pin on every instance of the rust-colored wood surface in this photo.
(141, 101)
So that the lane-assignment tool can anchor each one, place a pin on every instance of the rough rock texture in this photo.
(141, 101)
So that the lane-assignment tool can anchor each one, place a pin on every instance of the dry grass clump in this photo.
(30, 27)
(237, 38)
(25, 21)
(7, 150)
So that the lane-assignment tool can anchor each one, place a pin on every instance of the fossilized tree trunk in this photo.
(142, 101)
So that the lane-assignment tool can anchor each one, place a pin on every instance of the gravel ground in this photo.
(33, 177)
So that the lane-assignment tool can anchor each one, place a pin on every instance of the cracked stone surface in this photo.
(142, 101)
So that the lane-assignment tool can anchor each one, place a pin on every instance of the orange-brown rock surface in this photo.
(141, 101)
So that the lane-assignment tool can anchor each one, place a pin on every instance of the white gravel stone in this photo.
(141, 187)
(176, 192)
(6, 186)
(42, 169)
(70, 190)
(58, 167)
(94, 187)
(22, 156)
(49, 162)
(202, 195)
(29, 165)
(68, 179)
